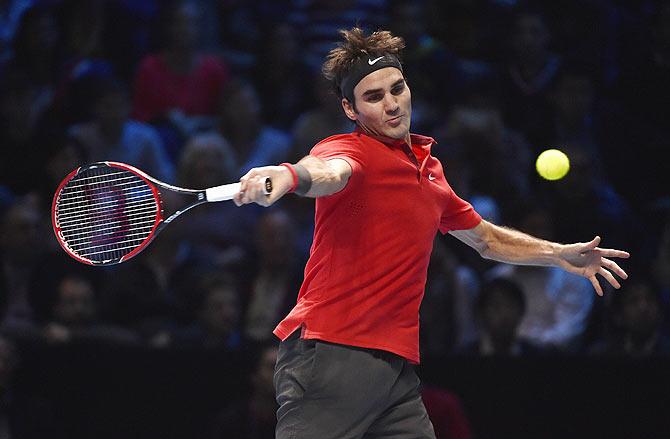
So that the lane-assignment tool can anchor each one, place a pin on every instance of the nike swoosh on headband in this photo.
(372, 61)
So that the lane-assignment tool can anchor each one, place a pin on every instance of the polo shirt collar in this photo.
(416, 139)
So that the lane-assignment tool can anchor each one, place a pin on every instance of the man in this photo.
(381, 198)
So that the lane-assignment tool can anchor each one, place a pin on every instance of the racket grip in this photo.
(228, 191)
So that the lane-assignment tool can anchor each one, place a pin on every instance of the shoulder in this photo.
(137, 129)
(349, 139)
(274, 135)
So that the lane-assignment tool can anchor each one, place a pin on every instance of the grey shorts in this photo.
(326, 390)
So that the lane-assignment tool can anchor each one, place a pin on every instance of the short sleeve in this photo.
(458, 215)
(342, 147)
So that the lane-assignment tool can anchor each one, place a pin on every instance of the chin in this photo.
(397, 133)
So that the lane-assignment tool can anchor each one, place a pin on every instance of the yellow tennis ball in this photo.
(552, 164)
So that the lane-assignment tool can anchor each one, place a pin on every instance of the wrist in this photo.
(557, 253)
(294, 176)
(302, 179)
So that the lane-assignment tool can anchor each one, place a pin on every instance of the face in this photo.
(220, 314)
(530, 37)
(383, 104)
(640, 311)
(112, 110)
(204, 167)
(501, 316)
(20, 232)
(275, 238)
(243, 107)
(75, 304)
(574, 98)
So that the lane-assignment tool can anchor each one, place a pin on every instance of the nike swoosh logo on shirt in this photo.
(372, 61)
(431, 177)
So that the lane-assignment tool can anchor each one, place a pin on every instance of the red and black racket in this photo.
(107, 212)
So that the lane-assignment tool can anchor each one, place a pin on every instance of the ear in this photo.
(348, 109)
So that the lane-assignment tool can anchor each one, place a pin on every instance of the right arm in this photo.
(328, 177)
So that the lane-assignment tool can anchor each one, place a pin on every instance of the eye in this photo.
(398, 89)
(374, 97)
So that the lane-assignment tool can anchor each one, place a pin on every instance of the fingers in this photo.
(608, 276)
(596, 285)
(613, 266)
(591, 245)
(239, 197)
(252, 190)
(611, 253)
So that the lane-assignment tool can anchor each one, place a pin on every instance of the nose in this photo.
(390, 103)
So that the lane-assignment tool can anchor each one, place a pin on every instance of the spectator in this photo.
(557, 303)
(217, 316)
(594, 122)
(83, 27)
(111, 135)
(274, 285)
(64, 299)
(410, 20)
(585, 200)
(573, 102)
(179, 80)
(36, 46)
(529, 75)
(240, 122)
(319, 22)
(476, 128)
(21, 109)
(500, 307)
(10, 15)
(636, 316)
(254, 416)
(644, 91)
(140, 295)
(279, 76)
(447, 318)
(324, 119)
(215, 232)
(20, 250)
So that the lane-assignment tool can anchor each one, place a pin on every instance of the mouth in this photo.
(395, 121)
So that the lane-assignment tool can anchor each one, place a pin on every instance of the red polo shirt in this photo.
(366, 274)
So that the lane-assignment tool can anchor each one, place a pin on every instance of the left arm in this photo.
(514, 247)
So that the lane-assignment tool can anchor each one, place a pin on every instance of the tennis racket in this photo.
(107, 212)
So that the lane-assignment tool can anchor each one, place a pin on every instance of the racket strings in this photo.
(73, 201)
(105, 212)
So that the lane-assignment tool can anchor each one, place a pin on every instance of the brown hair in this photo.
(355, 45)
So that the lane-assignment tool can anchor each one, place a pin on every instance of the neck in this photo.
(406, 138)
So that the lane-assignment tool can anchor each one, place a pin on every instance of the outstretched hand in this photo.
(587, 259)
(253, 182)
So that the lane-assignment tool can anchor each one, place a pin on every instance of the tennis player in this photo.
(345, 364)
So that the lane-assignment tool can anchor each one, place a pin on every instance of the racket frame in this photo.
(202, 196)
(159, 222)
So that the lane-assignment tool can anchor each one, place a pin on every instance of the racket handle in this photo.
(228, 191)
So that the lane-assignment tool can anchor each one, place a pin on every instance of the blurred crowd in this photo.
(196, 93)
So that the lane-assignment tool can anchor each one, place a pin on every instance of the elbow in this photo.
(484, 250)
(485, 245)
